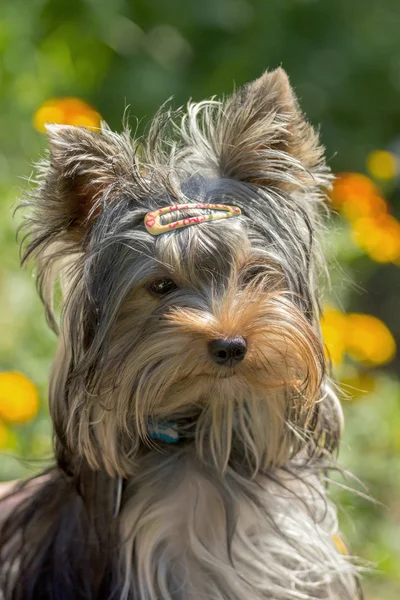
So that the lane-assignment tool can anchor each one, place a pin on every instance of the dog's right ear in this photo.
(84, 169)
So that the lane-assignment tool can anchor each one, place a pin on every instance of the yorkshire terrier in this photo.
(195, 424)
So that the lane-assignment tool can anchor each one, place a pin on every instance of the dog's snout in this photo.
(228, 351)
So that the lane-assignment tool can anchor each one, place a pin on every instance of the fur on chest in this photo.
(187, 533)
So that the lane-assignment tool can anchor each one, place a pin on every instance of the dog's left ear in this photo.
(263, 138)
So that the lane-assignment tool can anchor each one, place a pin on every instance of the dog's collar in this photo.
(163, 431)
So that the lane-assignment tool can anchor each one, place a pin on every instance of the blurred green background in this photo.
(343, 58)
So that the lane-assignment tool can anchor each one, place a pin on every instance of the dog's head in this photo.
(215, 323)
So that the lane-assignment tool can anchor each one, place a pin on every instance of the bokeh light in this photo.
(19, 398)
(373, 228)
(379, 237)
(382, 164)
(66, 111)
(363, 338)
(368, 340)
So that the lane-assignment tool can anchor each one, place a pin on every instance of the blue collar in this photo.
(163, 431)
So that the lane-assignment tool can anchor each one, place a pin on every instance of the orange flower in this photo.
(347, 185)
(375, 231)
(368, 206)
(19, 398)
(66, 111)
(355, 195)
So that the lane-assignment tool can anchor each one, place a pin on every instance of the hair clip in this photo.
(154, 226)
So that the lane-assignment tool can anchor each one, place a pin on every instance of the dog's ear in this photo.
(83, 166)
(261, 137)
(85, 170)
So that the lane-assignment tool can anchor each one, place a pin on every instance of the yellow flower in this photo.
(19, 398)
(8, 439)
(333, 327)
(379, 237)
(369, 341)
(66, 111)
(364, 338)
(382, 164)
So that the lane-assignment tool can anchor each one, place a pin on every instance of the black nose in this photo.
(228, 352)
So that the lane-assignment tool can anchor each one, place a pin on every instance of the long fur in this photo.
(236, 509)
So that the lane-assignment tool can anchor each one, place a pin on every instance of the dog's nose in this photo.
(229, 351)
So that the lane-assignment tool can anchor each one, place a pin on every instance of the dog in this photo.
(195, 422)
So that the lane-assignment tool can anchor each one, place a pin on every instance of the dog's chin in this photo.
(203, 389)
(226, 374)
(213, 381)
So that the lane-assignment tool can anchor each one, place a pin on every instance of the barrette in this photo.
(155, 227)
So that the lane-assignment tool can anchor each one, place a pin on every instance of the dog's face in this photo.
(217, 322)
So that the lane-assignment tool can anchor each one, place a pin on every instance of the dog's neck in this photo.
(166, 432)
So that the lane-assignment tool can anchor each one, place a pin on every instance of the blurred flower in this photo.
(379, 237)
(375, 231)
(8, 439)
(369, 341)
(66, 111)
(19, 398)
(356, 196)
(369, 206)
(333, 326)
(382, 164)
(364, 338)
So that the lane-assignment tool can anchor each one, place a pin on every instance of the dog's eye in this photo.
(161, 287)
